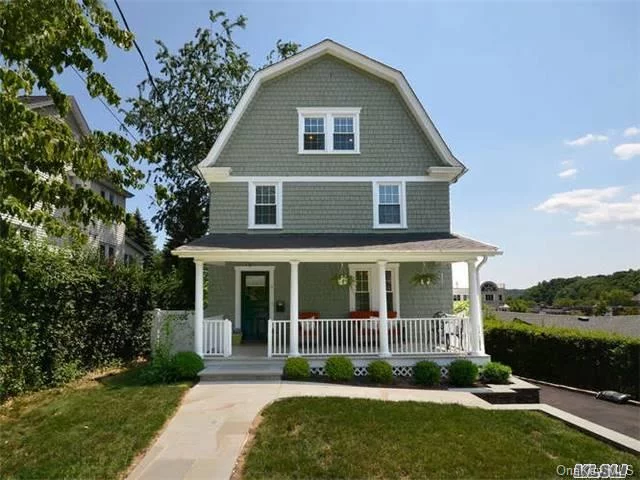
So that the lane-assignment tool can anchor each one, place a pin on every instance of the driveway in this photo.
(621, 418)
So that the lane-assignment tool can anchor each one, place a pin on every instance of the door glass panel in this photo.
(255, 281)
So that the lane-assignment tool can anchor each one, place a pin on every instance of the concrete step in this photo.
(247, 370)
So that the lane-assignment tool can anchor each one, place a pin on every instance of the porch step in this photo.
(242, 369)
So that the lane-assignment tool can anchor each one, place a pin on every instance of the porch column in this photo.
(198, 326)
(293, 309)
(382, 306)
(475, 308)
(481, 333)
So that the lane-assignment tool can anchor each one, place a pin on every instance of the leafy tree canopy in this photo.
(615, 289)
(181, 113)
(38, 40)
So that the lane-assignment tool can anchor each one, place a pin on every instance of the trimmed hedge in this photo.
(496, 373)
(462, 373)
(339, 368)
(64, 312)
(587, 359)
(296, 368)
(380, 371)
(427, 373)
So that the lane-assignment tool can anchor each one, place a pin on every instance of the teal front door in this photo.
(255, 306)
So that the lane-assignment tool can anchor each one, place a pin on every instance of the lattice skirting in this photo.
(399, 371)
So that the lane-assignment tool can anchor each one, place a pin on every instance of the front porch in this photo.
(379, 315)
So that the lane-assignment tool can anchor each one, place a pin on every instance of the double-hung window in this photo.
(329, 130)
(364, 295)
(265, 205)
(389, 205)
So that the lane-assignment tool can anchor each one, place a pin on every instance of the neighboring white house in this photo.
(109, 239)
(491, 293)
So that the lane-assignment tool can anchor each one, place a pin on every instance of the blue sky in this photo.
(521, 92)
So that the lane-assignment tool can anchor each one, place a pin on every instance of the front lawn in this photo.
(356, 438)
(91, 429)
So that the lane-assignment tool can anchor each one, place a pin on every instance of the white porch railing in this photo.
(412, 336)
(217, 337)
(347, 336)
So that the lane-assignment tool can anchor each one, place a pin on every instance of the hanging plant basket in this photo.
(343, 280)
(423, 279)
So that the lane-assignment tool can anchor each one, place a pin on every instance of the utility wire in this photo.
(144, 60)
(106, 105)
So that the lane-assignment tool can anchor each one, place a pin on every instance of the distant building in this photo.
(109, 239)
(491, 293)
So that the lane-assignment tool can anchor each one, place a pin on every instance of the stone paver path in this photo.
(205, 437)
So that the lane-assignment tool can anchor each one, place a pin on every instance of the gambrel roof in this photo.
(356, 59)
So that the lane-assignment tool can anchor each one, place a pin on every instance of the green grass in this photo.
(354, 438)
(90, 429)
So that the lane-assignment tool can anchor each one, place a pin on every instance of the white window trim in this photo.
(372, 269)
(252, 201)
(328, 113)
(403, 205)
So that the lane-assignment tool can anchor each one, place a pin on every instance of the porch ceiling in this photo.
(335, 247)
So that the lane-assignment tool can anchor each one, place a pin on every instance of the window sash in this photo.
(364, 291)
(265, 205)
(389, 208)
(330, 130)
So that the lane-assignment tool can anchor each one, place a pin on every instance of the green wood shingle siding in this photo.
(331, 207)
(317, 293)
(265, 141)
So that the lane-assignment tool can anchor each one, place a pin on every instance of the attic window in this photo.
(329, 130)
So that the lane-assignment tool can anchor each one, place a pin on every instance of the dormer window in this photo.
(329, 130)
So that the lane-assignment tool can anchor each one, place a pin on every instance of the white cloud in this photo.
(570, 172)
(586, 140)
(627, 151)
(596, 206)
(631, 132)
(566, 163)
(585, 233)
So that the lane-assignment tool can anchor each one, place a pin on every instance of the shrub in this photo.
(495, 372)
(187, 365)
(339, 369)
(63, 312)
(462, 373)
(587, 359)
(296, 368)
(380, 372)
(426, 373)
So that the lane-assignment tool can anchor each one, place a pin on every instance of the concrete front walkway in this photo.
(206, 435)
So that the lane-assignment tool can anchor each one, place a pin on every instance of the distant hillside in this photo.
(514, 292)
(614, 289)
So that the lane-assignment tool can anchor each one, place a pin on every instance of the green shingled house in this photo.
(330, 220)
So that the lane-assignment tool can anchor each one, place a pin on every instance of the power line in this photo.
(144, 60)
(124, 127)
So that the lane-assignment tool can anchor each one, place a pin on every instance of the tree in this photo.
(518, 305)
(180, 115)
(138, 231)
(39, 39)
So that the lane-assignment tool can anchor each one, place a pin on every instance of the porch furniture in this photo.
(307, 331)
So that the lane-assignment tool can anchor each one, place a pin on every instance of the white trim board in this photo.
(212, 175)
(237, 324)
(354, 58)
